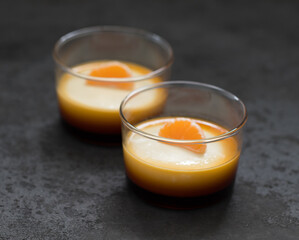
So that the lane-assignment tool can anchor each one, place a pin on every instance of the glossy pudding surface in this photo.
(173, 170)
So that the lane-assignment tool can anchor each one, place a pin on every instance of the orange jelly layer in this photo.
(94, 107)
(173, 170)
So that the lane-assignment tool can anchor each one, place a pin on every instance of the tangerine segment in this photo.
(111, 70)
(184, 129)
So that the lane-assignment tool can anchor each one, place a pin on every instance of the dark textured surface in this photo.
(52, 186)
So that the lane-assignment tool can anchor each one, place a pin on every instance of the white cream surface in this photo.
(153, 151)
(101, 97)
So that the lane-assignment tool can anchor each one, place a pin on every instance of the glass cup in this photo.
(90, 103)
(167, 171)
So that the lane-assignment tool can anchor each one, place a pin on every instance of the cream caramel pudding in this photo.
(172, 169)
(93, 106)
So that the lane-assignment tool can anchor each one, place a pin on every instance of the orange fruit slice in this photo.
(184, 129)
(112, 70)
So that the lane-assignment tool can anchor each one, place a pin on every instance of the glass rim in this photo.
(118, 29)
(228, 134)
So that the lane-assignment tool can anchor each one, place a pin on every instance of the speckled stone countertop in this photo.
(53, 186)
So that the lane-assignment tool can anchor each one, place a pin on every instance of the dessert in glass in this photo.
(187, 150)
(97, 67)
